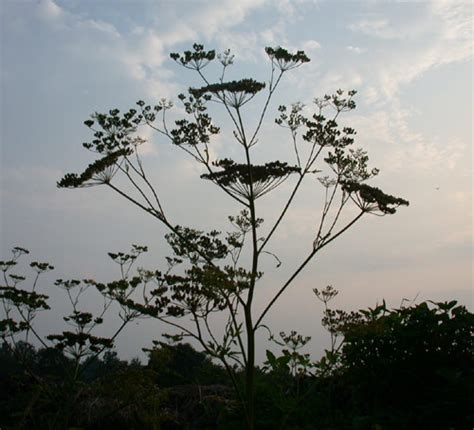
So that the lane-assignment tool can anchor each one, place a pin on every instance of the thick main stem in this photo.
(250, 368)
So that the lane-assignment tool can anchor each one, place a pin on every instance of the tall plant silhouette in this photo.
(206, 275)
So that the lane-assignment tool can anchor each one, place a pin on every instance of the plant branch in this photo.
(302, 266)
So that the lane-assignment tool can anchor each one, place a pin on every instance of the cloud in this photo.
(288, 8)
(403, 148)
(439, 34)
(457, 18)
(377, 27)
(244, 45)
(93, 53)
(213, 18)
(49, 10)
(356, 49)
(443, 36)
(273, 36)
(310, 45)
(292, 10)
(181, 32)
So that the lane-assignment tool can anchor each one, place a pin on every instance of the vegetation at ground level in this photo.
(406, 368)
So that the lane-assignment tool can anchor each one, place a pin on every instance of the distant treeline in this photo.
(408, 368)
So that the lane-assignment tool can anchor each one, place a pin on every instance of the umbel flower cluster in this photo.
(258, 180)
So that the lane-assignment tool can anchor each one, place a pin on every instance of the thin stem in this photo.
(270, 93)
(237, 330)
(150, 186)
(30, 312)
(142, 193)
(135, 202)
(327, 205)
(282, 214)
(31, 327)
(295, 146)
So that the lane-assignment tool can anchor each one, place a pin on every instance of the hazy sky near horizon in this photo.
(411, 63)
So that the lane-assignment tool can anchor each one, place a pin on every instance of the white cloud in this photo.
(49, 10)
(443, 36)
(268, 36)
(139, 55)
(377, 27)
(273, 36)
(181, 32)
(285, 7)
(344, 79)
(226, 14)
(356, 49)
(310, 45)
(457, 17)
(403, 148)
(245, 46)
(292, 10)
(99, 26)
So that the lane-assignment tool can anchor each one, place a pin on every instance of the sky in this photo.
(411, 63)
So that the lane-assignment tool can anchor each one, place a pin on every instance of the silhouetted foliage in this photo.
(411, 367)
(205, 276)
(181, 364)
(407, 368)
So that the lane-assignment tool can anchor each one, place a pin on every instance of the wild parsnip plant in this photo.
(205, 275)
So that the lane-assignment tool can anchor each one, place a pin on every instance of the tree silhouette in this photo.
(205, 274)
